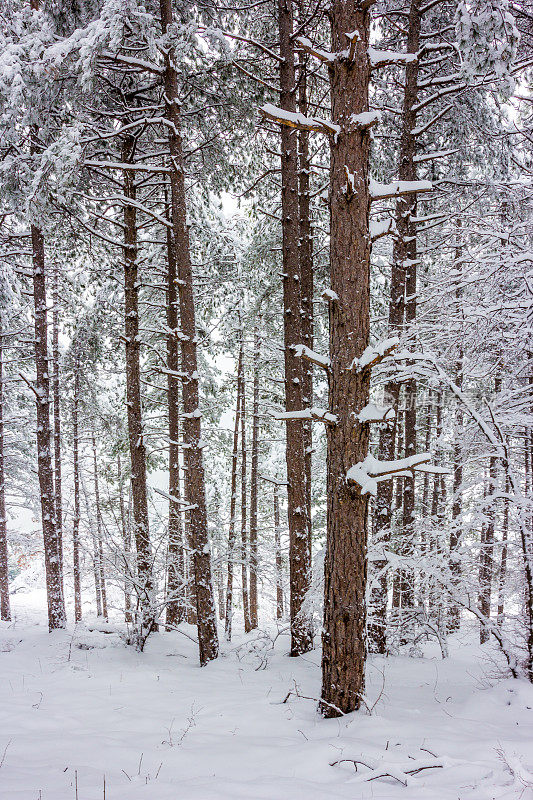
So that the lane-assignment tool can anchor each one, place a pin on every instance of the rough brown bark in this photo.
(307, 285)
(175, 611)
(5, 609)
(233, 499)
(406, 253)
(343, 639)
(254, 479)
(146, 620)
(76, 480)
(299, 556)
(194, 470)
(403, 283)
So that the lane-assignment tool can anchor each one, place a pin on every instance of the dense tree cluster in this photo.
(265, 320)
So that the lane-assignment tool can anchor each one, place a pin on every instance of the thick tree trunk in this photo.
(5, 610)
(233, 499)
(99, 533)
(343, 639)
(194, 470)
(299, 555)
(76, 480)
(254, 479)
(175, 612)
(145, 585)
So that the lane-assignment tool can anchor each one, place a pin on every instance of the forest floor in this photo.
(79, 707)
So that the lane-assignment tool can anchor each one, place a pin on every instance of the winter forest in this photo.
(266, 399)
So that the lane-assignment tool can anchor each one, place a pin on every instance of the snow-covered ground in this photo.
(80, 707)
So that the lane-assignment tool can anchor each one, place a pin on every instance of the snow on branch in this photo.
(432, 156)
(301, 351)
(365, 120)
(381, 228)
(370, 471)
(297, 120)
(384, 58)
(329, 296)
(381, 191)
(373, 354)
(319, 414)
(322, 55)
(374, 413)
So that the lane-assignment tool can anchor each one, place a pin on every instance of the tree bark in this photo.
(244, 513)
(175, 611)
(299, 555)
(76, 480)
(279, 559)
(343, 639)
(126, 540)
(233, 499)
(406, 254)
(99, 533)
(403, 283)
(194, 470)
(254, 479)
(5, 609)
(54, 589)
(486, 556)
(57, 418)
(146, 620)
(307, 286)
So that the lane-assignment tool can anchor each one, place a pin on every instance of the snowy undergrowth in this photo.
(79, 705)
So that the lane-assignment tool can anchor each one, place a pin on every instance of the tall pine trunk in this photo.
(146, 620)
(299, 554)
(194, 470)
(307, 285)
(403, 283)
(345, 570)
(175, 612)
